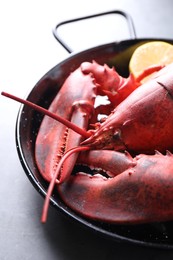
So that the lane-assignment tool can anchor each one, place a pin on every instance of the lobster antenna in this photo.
(55, 180)
(48, 113)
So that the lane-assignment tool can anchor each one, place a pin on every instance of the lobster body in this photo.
(136, 190)
(125, 187)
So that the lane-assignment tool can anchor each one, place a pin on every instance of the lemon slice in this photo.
(149, 54)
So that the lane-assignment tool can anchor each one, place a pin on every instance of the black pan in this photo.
(28, 121)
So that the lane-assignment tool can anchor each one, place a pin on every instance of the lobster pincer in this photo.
(74, 102)
(142, 193)
(110, 83)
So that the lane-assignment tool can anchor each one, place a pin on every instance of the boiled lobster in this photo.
(129, 147)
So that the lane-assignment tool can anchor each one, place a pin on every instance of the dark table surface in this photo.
(28, 50)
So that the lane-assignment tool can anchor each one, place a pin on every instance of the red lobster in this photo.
(137, 188)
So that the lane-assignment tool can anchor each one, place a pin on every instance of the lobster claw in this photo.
(110, 83)
(140, 194)
(73, 102)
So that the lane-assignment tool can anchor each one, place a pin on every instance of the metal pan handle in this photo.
(128, 18)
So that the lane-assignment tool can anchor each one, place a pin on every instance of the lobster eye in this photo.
(117, 135)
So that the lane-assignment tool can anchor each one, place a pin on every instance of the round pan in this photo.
(28, 121)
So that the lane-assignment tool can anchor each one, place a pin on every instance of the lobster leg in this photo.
(140, 194)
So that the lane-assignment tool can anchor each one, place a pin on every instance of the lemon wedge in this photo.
(150, 54)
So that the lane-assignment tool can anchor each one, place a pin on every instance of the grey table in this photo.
(27, 51)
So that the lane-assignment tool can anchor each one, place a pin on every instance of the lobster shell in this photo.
(115, 54)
